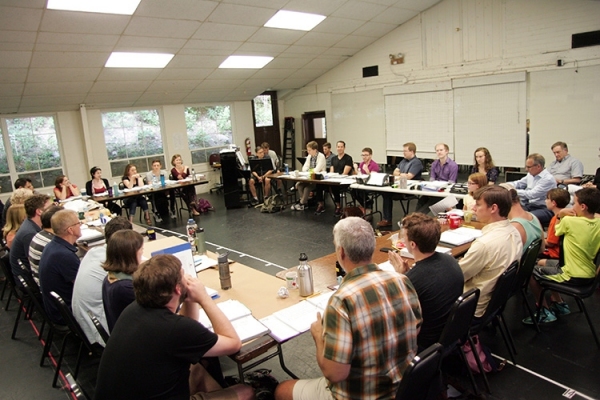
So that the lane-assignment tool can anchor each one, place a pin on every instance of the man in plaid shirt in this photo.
(368, 334)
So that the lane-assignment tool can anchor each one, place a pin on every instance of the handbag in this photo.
(483, 356)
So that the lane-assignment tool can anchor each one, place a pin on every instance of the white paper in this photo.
(460, 236)
(443, 205)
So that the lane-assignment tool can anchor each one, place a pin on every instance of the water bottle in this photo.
(115, 189)
(287, 169)
(154, 181)
(102, 219)
(305, 277)
(162, 180)
(224, 273)
(193, 175)
(200, 243)
(191, 229)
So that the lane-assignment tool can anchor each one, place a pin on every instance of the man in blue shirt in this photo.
(532, 188)
(59, 263)
(410, 168)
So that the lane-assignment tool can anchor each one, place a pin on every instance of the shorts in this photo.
(223, 394)
(550, 270)
(312, 389)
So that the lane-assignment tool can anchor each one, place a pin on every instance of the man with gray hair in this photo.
(533, 187)
(368, 333)
(566, 169)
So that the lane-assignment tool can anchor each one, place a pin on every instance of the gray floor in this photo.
(563, 354)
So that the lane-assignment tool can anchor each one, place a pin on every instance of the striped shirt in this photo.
(39, 241)
(371, 322)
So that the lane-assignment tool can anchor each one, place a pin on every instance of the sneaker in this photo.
(546, 316)
(254, 201)
(560, 308)
(320, 209)
(298, 207)
(338, 211)
(173, 215)
(157, 218)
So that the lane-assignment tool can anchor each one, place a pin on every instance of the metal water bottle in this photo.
(305, 277)
(191, 229)
(193, 175)
(162, 180)
(200, 243)
(224, 273)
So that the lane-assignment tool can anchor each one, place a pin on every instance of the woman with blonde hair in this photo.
(484, 164)
(180, 172)
(14, 218)
(475, 181)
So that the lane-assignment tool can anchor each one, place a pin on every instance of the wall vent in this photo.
(370, 71)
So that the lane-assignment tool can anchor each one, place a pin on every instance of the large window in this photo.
(32, 152)
(132, 137)
(263, 110)
(208, 130)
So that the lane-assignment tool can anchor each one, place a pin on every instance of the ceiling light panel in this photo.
(138, 60)
(253, 62)
(294, 20)
(123, 7)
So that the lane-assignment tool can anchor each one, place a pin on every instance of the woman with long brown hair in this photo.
(483, 163)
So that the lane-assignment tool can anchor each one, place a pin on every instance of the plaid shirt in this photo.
(371, 322)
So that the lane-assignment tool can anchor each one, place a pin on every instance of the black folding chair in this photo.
(418, 380)
(76, 332)
(101, 331)
(15, 291)
(493, 315)
(578, 292)
(456, 330)
(528, 261)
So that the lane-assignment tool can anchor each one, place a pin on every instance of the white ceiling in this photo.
(54, 60)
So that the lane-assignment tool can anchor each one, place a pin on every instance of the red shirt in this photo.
(552, 240)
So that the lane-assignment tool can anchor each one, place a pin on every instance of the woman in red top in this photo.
(63, 188)
(180, 172)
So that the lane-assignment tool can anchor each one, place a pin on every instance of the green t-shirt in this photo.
(580, 245)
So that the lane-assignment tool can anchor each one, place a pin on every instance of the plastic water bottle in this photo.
(287, 169)
(193, 175)
(115, 189)
(191, 229)
(200, 243)
(224, 273)
(154, 181)
(305, 277)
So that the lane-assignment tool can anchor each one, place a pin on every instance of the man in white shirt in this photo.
(532, 188)
(492, 253)
(566, 169)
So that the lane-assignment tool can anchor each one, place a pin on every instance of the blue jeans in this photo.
(132, 203)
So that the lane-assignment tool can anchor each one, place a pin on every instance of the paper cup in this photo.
(291, 279)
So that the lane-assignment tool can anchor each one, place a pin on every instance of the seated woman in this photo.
(159, 199)
(123, 255)
(99, 186)
(485, 165)
(475, 181)
(180, 172)
(526, 223)
(132, 179)
(14, 218)
(315, 161)
(63, 188)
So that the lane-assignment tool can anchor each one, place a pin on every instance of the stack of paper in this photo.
(460, 236)
(296, 319)
(405, 253)
(246, 326)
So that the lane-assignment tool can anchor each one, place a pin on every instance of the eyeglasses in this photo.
(531, 166)
(471, 183)
(78, 223)
(365, 155)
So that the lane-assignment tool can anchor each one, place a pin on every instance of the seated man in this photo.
(341, 164)
(368, 334)
(566, 169)
(437, 278)
(366, 166)
(526, 223)
(153, 352)
(443, 169)
(581, 242)
(315, 161)
(258, 175)
(492, 253)
(87, 291)
(410, 168)
(328, 154)
(277, 164)
(40, 240)
(59, 262)
(533, 187)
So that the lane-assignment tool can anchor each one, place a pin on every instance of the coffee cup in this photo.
(291, 279)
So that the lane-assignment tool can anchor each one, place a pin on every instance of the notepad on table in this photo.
(244, 323)
(294, 320)
(460, 236)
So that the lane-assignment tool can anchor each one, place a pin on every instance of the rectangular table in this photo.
(342, 182)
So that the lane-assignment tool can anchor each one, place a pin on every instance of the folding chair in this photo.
(528, 261)
(101, 331)
(418, 379)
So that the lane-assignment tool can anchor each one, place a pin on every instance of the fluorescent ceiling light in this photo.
(294, 20)
(255, 62)
(125, 7)
(138, 60)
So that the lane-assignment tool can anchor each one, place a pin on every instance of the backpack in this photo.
(272, 204)
(260, 380)
(203, 205)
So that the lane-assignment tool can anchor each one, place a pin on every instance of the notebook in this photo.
(460, 236)
(244, 323)
(183, 252)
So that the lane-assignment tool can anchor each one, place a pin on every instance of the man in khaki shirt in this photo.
(500, 244)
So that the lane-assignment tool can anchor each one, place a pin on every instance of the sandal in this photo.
(195, 213)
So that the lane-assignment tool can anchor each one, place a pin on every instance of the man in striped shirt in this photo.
(40, 240)
(368, 334)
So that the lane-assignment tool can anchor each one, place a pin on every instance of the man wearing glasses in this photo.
(533, 187)
(59, 263)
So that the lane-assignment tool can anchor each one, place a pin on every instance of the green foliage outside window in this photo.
(263, 111)
(208, 130)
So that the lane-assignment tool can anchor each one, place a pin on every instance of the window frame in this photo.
(212, 149)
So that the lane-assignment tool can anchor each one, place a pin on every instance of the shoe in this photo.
(383, 223)
(560, 308)
(195, 213)
(338, 211)
(157, 218)
(546, 316)
(254, 201)
(292, 189)
(148, 221)
(173, 215)
(298, 207)
(320, 209)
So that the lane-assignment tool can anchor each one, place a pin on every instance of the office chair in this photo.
(418, 380)
(578, 292)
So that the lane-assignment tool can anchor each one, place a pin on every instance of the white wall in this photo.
(459, 39)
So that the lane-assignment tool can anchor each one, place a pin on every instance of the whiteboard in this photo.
(358, 120)
(565, 106)
(424, 118)
(491, 116)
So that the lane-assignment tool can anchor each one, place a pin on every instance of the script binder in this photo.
(183, 252)
(244, 323)
(460, 236)
(294, 320)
